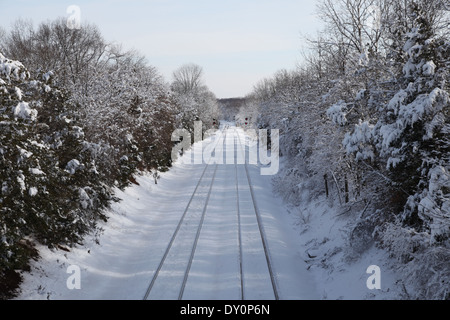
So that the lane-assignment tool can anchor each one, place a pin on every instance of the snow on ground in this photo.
(306, 246)
(338, 272)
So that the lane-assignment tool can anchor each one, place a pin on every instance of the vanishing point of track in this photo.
(209, 172)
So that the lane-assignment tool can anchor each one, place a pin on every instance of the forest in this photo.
(79, 117)
(364, 122)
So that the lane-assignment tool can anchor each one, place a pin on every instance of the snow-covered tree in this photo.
(128, 114)
(81, 119)
(409, 135)
(123, 104)
(75, 54)
(365, 122)
(50, 190)
(196, 101)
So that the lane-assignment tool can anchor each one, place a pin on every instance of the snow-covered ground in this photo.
(339, 272)
(305, 250)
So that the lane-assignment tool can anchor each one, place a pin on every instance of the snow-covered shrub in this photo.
(128, 113)
(43, 165)
(425, 268)
(115, 95)
(366, 123)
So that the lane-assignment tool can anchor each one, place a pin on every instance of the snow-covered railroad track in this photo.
(233, 261)
(245, 190)
(245, 249)
(201, 194)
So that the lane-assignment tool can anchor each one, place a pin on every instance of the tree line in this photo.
(79, 116)
(365, 121)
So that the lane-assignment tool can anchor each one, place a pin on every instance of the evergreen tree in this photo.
(50, 191)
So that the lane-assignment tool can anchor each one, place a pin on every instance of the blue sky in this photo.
(237, 42)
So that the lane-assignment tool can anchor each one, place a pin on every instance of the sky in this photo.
(236, 42)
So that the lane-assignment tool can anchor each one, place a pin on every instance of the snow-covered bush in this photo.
(123, 105)
(43, 165)
(365, 123)
(130, 116)
(409, 134)
(405, 138)
(82, 118)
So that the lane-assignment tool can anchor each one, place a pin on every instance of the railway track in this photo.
(262, 232)
(253, 270)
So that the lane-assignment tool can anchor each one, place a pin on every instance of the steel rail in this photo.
(174, 235)
(241, 273)
(261, 230)
(199, 228)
